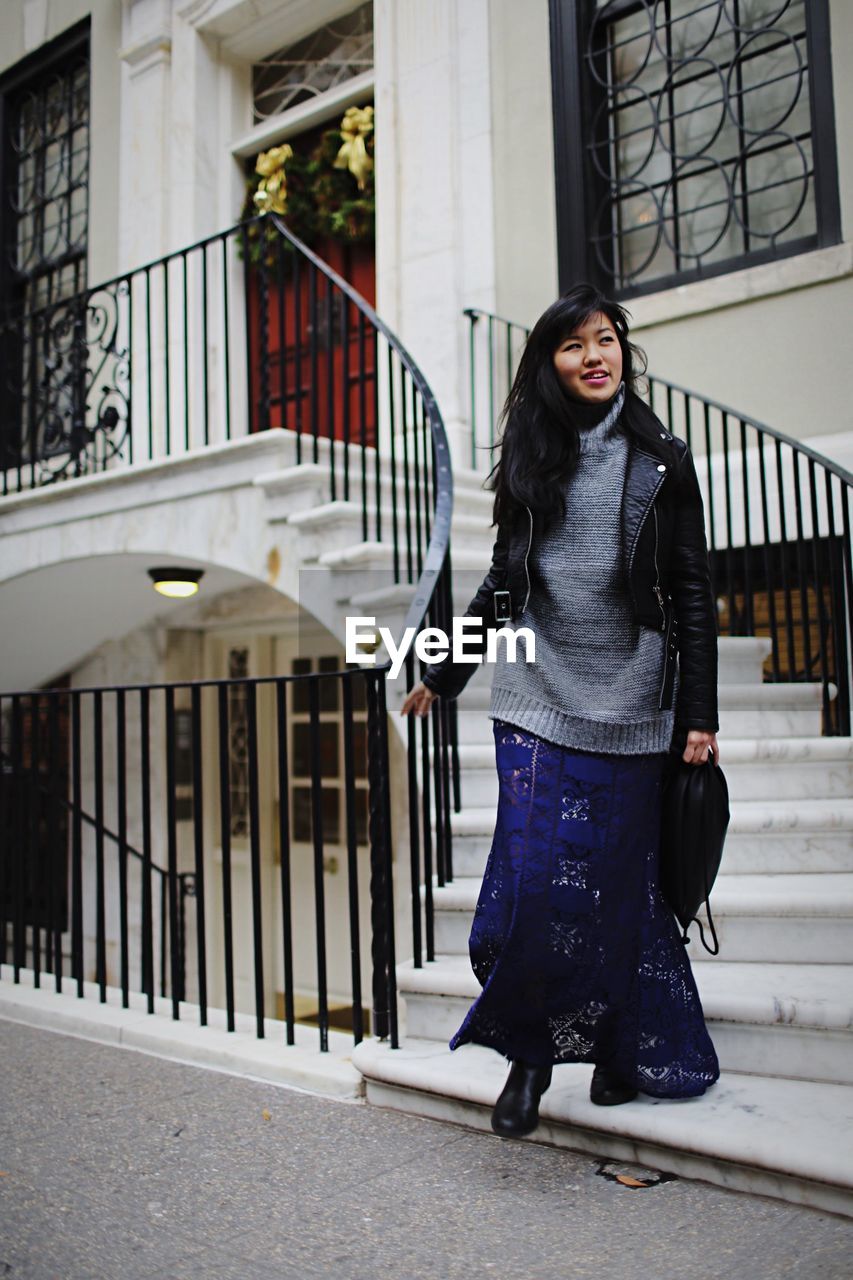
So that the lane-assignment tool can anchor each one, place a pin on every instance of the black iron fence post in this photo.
(187, 881)
(379, 837)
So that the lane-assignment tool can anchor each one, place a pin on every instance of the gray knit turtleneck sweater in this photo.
(595, 684)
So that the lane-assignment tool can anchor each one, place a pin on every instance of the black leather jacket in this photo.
(666, 566)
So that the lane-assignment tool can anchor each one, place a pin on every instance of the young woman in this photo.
(601, 552)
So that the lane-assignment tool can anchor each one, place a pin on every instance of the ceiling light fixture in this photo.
(176, 583)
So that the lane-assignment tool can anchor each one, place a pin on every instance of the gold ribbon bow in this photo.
(356, 125)
(271, 195)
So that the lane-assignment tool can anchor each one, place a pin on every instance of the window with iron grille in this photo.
(45, 194)
(692, 137)
(44, 217)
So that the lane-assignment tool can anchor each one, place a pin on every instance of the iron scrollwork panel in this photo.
(73, 384)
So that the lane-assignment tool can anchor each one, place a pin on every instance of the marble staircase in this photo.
(353, 574)
(778, 999)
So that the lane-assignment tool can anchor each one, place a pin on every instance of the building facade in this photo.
(691, 158)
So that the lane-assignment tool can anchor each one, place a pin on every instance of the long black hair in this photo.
(538, 439)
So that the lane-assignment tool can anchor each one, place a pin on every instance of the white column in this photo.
(435, 216)
(182, 100)
(146, 90)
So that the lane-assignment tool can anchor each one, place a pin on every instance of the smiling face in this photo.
(589, 360)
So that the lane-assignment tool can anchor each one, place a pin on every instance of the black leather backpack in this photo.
(694, 821)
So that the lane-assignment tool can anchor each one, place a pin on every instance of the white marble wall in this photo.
(182, 104)
(525, 218)
(435, 190)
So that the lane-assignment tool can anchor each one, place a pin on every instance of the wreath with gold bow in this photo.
(327, 192)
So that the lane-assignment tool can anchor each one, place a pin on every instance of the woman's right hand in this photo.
(419, 700)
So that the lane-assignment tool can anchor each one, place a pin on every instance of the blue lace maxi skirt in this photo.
(579, 958)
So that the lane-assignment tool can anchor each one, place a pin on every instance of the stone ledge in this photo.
(818, 996)
(799, 271)
(826, 895)
(233, 463)
(297, 1066)
(783, 1138)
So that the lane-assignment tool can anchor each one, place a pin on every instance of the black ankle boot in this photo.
(607, 1090)
(516, 1111)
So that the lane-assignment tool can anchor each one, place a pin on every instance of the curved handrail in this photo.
(799, 446)
(476, 312)
(439, 543)
(433, 594)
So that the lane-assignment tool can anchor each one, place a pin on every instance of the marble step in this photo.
(784, 1138)
(746, 711)
(789, 838)
(794, 853)
(741, 659)
(794, 1021)
(334, 525)
(469, 493)
(791, 919)
(755, 769)
(303, 485)
(374, 554)
(797, 919)
(791, 853)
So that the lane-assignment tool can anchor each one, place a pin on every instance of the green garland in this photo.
(322, 198)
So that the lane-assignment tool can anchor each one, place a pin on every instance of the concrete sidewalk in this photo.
(115, 1165)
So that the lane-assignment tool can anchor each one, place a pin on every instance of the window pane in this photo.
(299, 688)
(300, 807)
(301, 810)
(330, 56)
(238, 742)
(331, 803)
(359, 748)
(329, 754)
(329, 689)
(47, 137)
(361, 816)
(359, 695)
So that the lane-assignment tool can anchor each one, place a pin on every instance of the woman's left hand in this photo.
(700, 744)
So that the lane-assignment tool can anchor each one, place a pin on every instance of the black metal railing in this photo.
(778, 519)
(241, 332)
(321, 365)
(35, 811)
(140, 835)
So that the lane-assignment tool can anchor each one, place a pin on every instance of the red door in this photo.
(312, 354)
